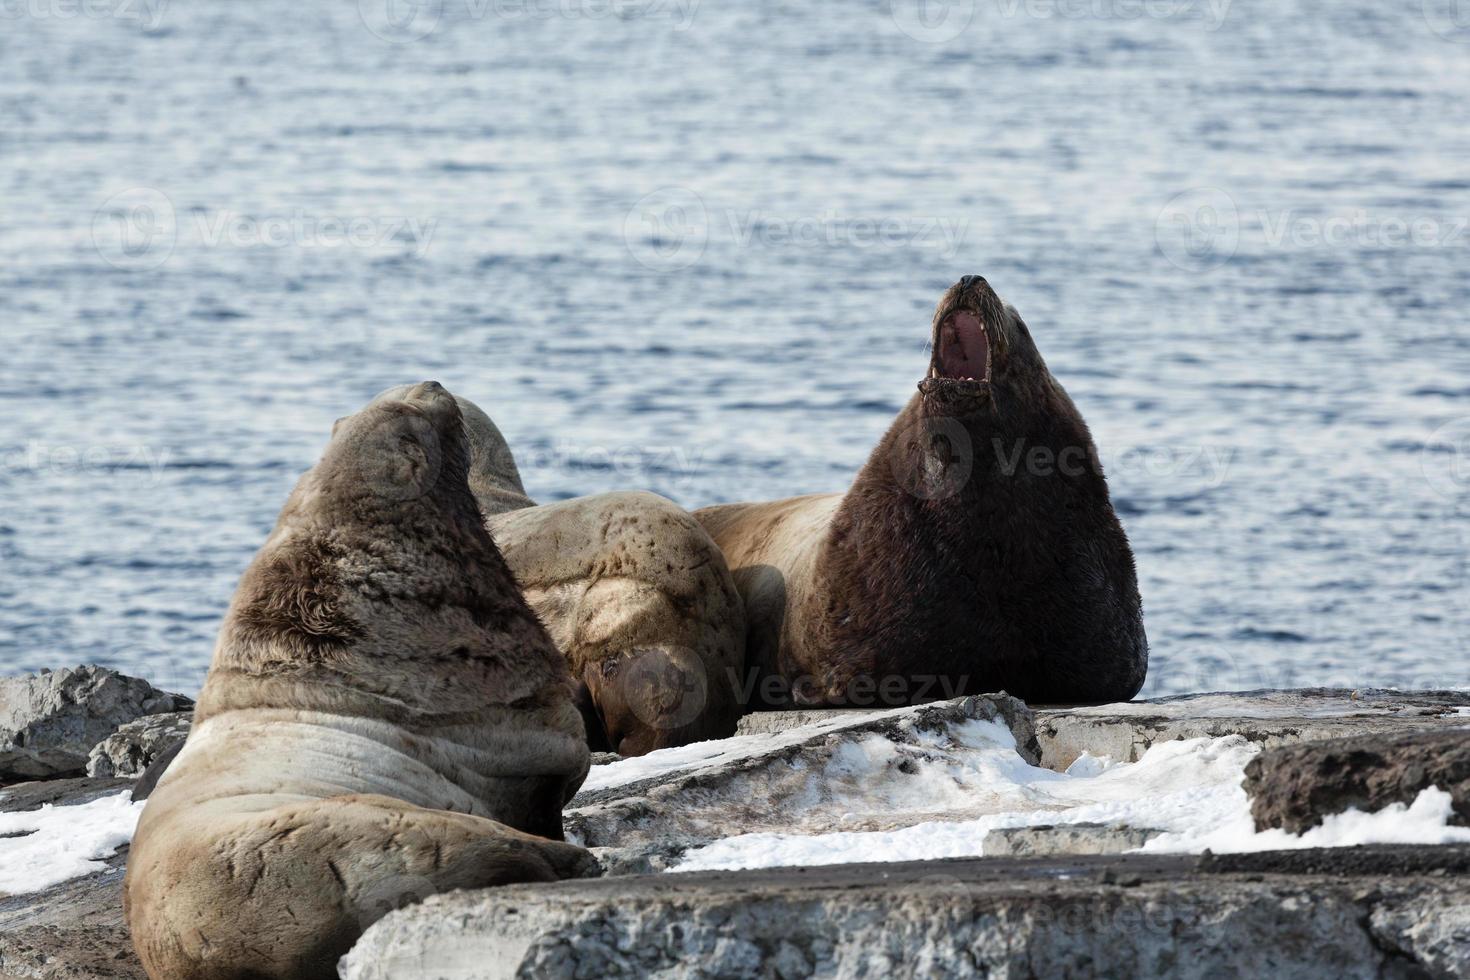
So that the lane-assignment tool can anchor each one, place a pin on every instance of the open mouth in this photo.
(961, 349)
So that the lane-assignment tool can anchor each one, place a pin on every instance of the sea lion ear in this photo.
(337, 425)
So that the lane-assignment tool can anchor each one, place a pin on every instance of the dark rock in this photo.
(131, 749)
(1296, 786)
(50, 722)
(149, 780)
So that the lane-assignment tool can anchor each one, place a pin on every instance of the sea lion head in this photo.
(980, 346)
(494, 478)
(380, 579)
(402, 451)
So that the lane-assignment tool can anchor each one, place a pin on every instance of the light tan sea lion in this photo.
(634, 593)
(384, 719)
(976, 551)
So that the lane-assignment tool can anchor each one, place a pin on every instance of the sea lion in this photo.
(384, 719)
(633, 591)
(976, 551)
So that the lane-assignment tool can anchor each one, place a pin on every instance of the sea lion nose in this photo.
(967, 281)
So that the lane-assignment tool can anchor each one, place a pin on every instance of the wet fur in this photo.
(1018, 581)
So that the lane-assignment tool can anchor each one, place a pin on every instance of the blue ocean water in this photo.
(694, 248)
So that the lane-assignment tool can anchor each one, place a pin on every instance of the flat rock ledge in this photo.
(1365, 913)
(1124, 732)
(756, 783)
(1296, 786)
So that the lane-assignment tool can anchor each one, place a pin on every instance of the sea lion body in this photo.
(977, 550)
(634, 592)
(384, 719)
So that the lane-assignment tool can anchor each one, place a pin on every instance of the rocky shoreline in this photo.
(1053, 893)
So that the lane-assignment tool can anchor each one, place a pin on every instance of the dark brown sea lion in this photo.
(976, 551)
(384, 719)
(632, 590)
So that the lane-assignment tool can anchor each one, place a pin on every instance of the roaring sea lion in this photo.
(976, 551)
(384, 719)
(633, 591)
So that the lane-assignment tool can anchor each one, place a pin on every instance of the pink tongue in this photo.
(964, 351)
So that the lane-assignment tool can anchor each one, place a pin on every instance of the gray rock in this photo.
(1134, 916)
(1435, 935)
(1077, 838)
(131, 749)
(773, 782)
(74, 930)
(1124, 732)
(1295, 786)
(772, 722)
(50, 722)
(21, 797)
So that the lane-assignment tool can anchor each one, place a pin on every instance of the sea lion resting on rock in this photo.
(976, 551)
(632, 590)
(384, 719)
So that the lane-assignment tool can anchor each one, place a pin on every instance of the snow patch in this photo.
(59, 843)
(1189, 789)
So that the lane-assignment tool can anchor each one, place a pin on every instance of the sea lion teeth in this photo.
(955, 563)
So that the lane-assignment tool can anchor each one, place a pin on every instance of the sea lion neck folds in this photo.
(977, 550)
(384, 719)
